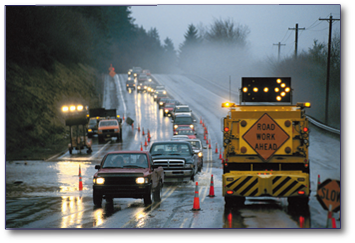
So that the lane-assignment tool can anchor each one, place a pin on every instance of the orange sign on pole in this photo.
(265, 136)
(112, 71)
(328, 193)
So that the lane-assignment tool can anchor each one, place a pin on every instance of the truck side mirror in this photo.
(204, 147)
(97, 167)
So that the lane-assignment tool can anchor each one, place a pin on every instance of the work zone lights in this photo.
(72, 108)
(266, 90)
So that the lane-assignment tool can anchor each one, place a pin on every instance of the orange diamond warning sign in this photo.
(265, 136)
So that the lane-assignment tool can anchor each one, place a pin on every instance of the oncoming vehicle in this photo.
(181, 109)
(142, 78)
(159, 95)
(109, 128)
(92, 126)
(183, 120)
(127, 174)
(130, 84)
(181, 130)
(136, 71)
(177, 159)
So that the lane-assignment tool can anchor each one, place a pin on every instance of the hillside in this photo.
(35, 127)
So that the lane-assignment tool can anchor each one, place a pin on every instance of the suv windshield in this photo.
(126, 161)
(183, 120)
(170, 149)
(108, 123)
(182, 109)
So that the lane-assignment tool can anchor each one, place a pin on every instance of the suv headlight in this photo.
(141, 180)
(192, 126)
(175, 126)
(99, 180)
(199, 154)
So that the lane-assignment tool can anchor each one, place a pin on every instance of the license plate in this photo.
(108, 135)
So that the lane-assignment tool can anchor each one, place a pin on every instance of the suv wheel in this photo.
(97, 199)
(157, 192)
(148, 197)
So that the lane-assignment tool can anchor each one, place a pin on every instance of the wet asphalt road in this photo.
(44, 194)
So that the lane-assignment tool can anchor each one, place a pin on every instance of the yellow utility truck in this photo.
(265, 140)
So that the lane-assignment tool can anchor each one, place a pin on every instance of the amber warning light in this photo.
(266, 90)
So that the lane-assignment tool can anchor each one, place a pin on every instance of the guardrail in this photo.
(321, 125)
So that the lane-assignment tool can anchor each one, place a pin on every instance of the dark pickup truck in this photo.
(127, 174)
(177, 159)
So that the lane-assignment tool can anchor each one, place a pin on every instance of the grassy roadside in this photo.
(35, 125)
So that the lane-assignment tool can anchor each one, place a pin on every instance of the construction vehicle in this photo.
(103, 114)
(265, 140)
(76, 119)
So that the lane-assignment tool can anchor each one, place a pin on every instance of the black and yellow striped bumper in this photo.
(259, 183)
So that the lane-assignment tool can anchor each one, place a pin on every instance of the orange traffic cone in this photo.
(216, 149)
(148, 139)
(206, 131)
(204, 137)
(141, 147)
(211, 188)
(330, 216)
(220, 154)
(145, 143)
(143, 131)
(209, 146)
(206, 141)
(334, 225)
(301, 221)
(196, 206)
(201, 120)
(80, 180)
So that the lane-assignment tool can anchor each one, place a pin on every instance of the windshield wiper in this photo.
(156, 154)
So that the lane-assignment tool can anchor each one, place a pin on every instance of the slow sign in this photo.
(265, 136)
(328, 193)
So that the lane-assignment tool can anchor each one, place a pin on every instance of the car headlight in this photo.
(141, 180)
(127, 85)
(155, 96)
(192, 126)
(160, 103)
(175, 126)
(199, 154)
(139, 87)
(99, 180)
(164, 92)
(166, 111)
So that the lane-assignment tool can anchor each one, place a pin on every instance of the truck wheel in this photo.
(157, 192)
(97, 199)
(148, 197)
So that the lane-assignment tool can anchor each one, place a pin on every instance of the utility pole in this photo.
(328, 64)
(279, 44)
(296, 37)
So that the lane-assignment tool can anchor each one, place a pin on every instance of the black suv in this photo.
(177, 158)
(183, 119)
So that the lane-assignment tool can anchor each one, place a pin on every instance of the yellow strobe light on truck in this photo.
(228, 104)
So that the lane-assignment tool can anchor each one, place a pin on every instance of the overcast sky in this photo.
(268, 24)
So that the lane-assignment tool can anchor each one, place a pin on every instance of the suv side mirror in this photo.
(97, 167)
(204, 147)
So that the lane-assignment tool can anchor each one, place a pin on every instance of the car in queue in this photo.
(181, 109)
(151, 88)
(142, 78)
(136, 71)
(127, 174)
(185, 130)
(163, 101)
(177, 158)
(109, 128)
(147, 72)
(142, 87)
(183, 119)
(198, 149)
(168, 108)
(159, 95)
(130, 72)
(179, 137)
(160, 88)
(130, 84)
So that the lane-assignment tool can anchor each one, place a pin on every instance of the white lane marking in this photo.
(120, 89)
(183, 222)
(93, 156)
